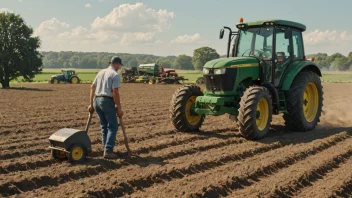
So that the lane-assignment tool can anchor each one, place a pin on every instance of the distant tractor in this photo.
(66, 76)
(267, 74)
(151, 73)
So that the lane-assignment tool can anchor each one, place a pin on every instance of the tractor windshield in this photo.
(256, 42)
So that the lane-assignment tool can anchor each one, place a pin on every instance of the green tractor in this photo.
(267, 74)
(69, 76)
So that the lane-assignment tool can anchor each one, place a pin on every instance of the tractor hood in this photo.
(233, 62)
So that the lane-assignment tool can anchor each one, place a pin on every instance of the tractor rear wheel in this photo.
(304, 102)
(255, 113)
(182, 106)
(74, 80)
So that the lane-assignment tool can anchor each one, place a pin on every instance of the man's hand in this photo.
(91, 109)
(119, 111)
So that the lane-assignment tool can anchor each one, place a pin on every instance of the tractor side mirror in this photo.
(288, 33)
(222, 31)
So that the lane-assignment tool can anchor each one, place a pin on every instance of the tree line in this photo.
(334, 62)
(69, 59)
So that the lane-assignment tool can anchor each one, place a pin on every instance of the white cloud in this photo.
(318, 36)
(51, 27)
(88, 5)
(138, 38)
(328, 41)
(137, 29)
(135, 18)
(6, 10)
(187, 39)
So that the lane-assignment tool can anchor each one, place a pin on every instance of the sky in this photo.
(174, 27)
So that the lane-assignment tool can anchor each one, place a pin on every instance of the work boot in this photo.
(110, 155)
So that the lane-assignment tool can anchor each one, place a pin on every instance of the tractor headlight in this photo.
(220, 71)
(205, 71)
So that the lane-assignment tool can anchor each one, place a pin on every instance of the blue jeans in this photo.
(105, 108)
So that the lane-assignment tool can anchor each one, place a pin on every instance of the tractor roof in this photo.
(278, 22)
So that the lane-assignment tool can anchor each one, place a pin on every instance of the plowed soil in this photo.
(215, 162)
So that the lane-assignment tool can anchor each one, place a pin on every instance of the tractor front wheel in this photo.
(182, 107)
(55, 81)
(304, 102)
(255, 113)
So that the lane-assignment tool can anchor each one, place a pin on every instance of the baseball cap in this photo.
(116, 59)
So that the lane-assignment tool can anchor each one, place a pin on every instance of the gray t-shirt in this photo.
(106, 80)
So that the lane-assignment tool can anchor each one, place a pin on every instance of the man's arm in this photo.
(116, 95)
(91, 98)
(92, 91)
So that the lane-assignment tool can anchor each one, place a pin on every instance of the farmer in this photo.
(106, 102)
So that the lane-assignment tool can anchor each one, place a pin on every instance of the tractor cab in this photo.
(68, 73)
(275, 43)
(272, 45)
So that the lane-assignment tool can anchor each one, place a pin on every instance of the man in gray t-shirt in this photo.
(106, 102)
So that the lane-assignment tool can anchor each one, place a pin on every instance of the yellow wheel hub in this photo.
(74, 80)
(263, 111)
(77, 153)
(310, 102)
(192, 119)
(151, 82)
(56, 81)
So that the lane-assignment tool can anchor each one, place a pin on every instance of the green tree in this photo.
(340, 64)
(203, 55)
(184, 62)
(19, 55)
(166, 63)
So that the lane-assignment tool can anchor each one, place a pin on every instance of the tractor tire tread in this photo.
(294, 119)
(246, 119)
(177, 106)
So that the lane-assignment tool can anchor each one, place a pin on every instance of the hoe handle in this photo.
(88, 122)
(125, 136)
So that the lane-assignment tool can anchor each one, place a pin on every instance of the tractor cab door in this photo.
(65, 73)
(289, 48)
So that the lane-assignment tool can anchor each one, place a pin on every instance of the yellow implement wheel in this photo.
(310, 101)
(263, 114)
(56, 81)
(74, 80)
(192, 119)
(57, 154)
(77, 153)
(151, 81)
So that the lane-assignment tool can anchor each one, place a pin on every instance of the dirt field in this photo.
(214, 162)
